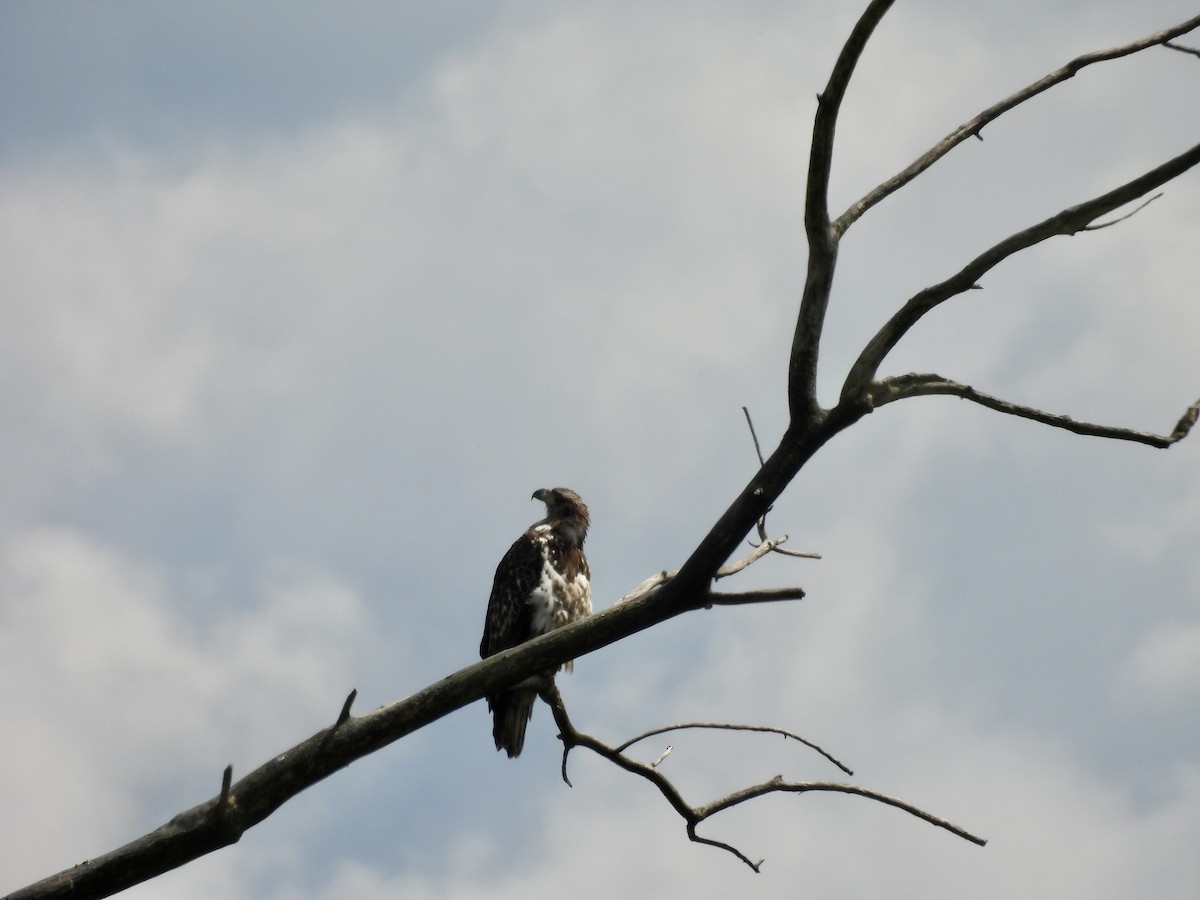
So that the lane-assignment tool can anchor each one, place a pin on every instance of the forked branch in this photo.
(693, 816)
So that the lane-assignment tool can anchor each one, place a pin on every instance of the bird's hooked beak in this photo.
(540, 494)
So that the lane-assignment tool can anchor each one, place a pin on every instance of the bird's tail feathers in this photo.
(511, 712)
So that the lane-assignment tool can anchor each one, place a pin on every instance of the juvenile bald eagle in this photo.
(541, 584)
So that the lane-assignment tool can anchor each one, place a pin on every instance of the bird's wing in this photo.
(509, 615)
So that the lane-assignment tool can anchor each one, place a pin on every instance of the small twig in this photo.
(1182, 49)
(1127, 215)
(652, 583)
(900, 387)
(759, 552)
(800, 554)
(342, 719)
(719, 726)
(345, 713)
(761, 525)
(717, 598)
(224, 801)
(656, 581)
(757, 448)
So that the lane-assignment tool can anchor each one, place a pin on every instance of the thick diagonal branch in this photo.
(976, 125)
(1069, 221)
(921, 385)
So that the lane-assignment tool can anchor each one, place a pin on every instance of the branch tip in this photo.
(223, 800)
(345, 713)
(754, 437)
(1137, 209)
(1186, 421)
(1181, 48)
(899, 387)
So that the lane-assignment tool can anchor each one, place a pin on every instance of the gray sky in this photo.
(299, 305)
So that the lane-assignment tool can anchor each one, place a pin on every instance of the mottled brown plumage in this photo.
(541, 584)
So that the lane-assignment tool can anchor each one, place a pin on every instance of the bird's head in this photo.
(565, 511)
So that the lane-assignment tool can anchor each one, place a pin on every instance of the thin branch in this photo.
(778, 785)
(821, 238)
(651, 584)
(754, 436)
(745, 598)
(342, 718)
(694, 815)
(919, 385)
(659, 579)
(1137, 209)
(989, 115)
(754, 556)
(762, 520)
(721, 726)
(223, 799)
(1182, 49)
(1069, 221)
(345, 713)
(798, 554)
(761, 525)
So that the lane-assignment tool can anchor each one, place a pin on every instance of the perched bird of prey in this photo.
(541, 584)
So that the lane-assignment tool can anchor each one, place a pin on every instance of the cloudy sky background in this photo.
(298, 305)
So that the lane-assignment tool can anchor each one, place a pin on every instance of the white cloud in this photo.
(1163, 668)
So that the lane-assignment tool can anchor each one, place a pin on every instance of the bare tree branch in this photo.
(765, 595)
(920, 385)
(693, 816)
(239, 806)
(761, 525)
(754, 436)
(1182, 49)
(656, 581)
(1129, 215)
(758, 553)
(822, 241)
(1069, 221)
(777, 784)
(989, 115)
(723, 726)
